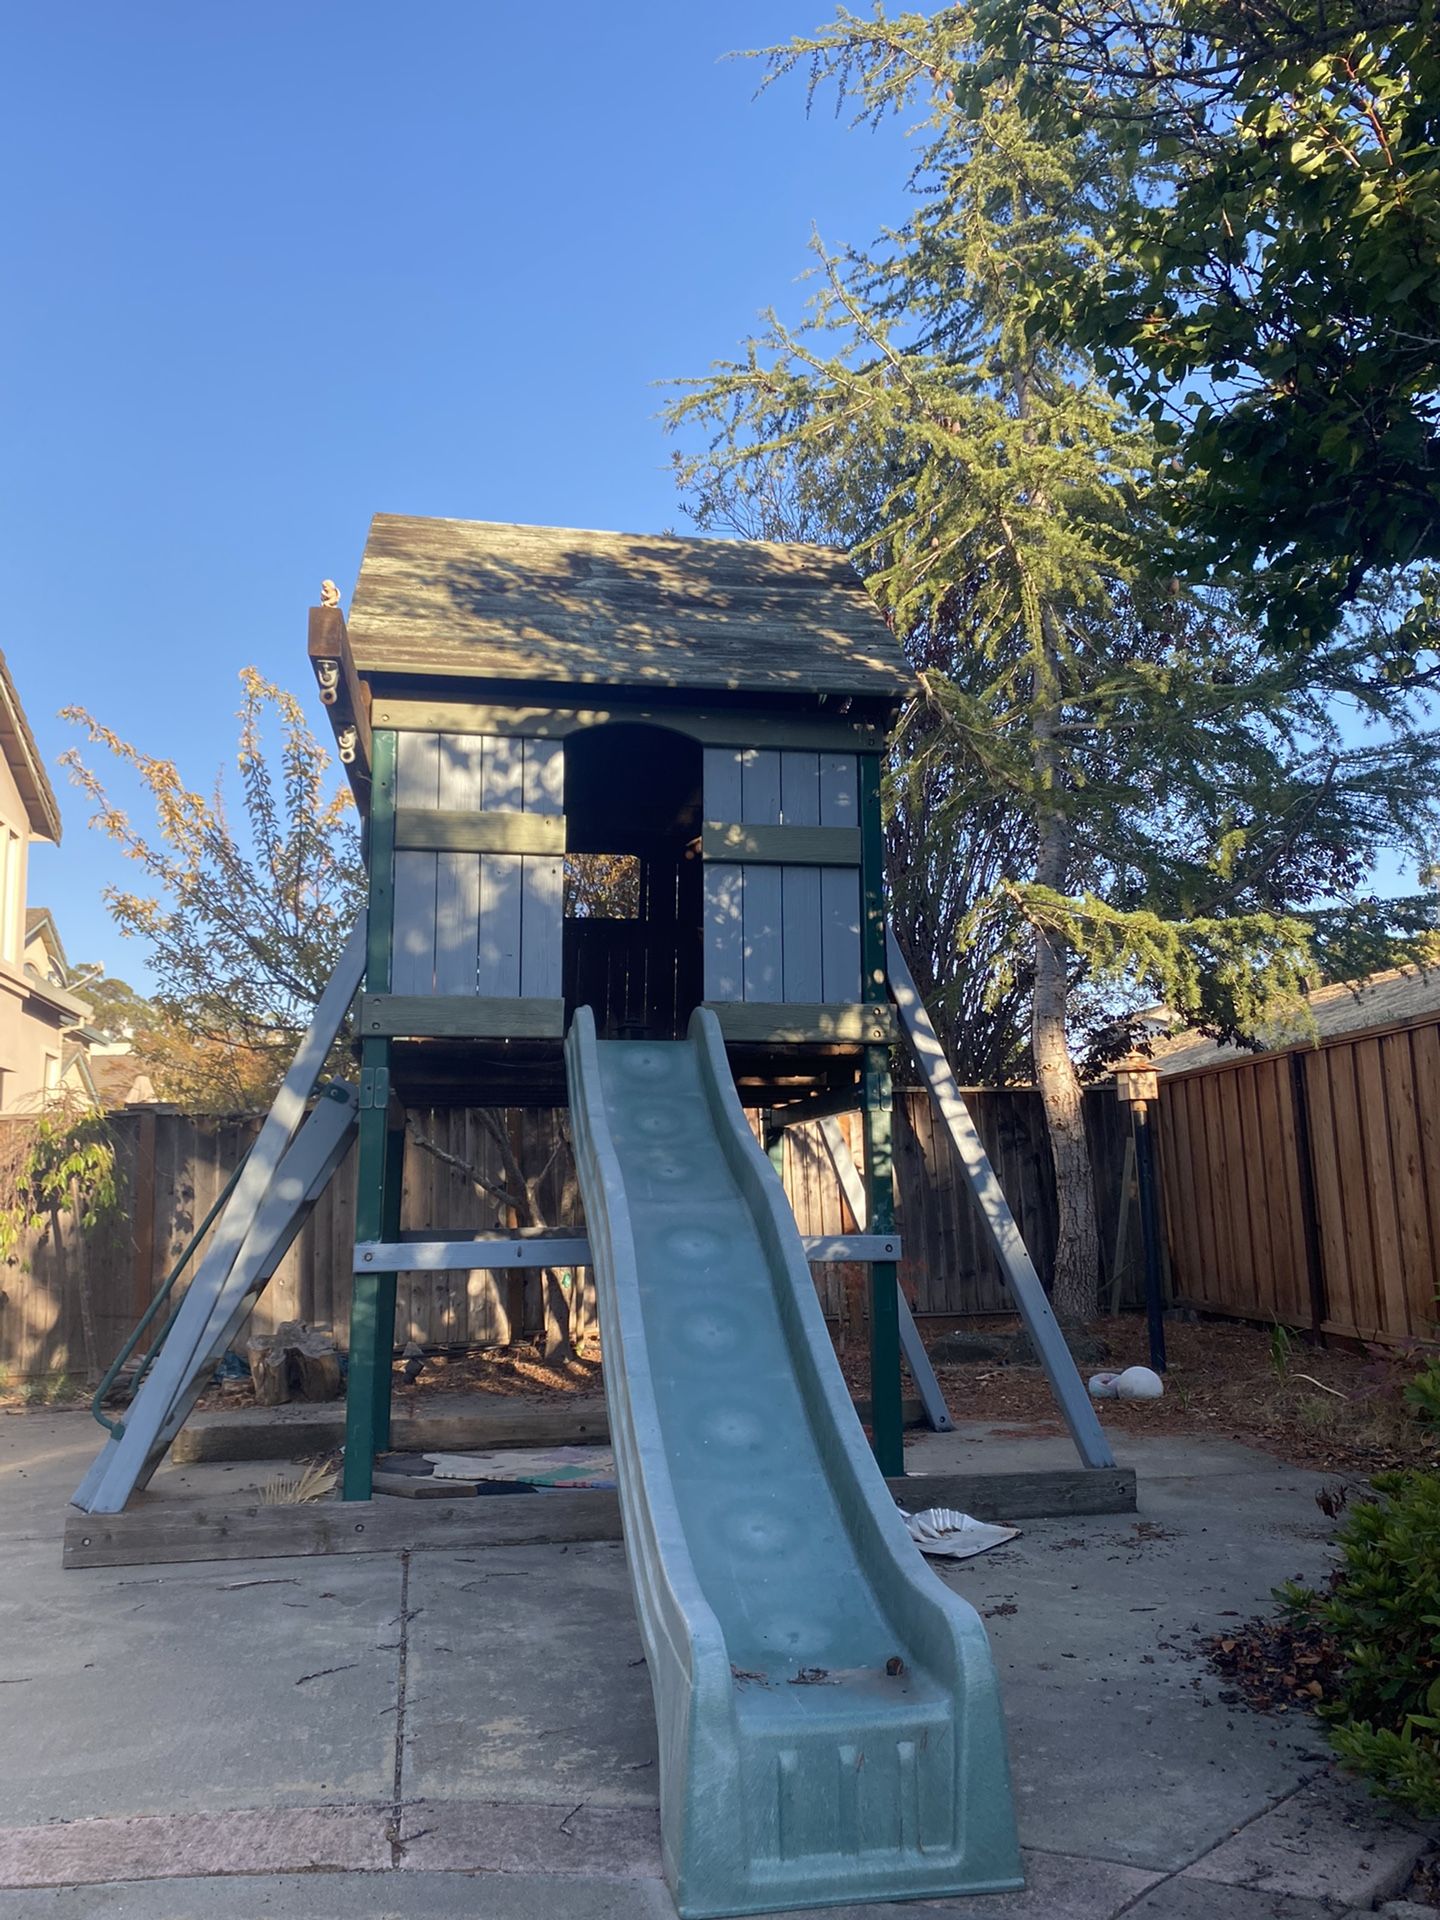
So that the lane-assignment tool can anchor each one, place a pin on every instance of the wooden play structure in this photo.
(709, 719)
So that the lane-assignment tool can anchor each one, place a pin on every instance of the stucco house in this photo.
(43, 1023)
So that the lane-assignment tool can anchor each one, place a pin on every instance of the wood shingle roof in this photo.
(478, 599)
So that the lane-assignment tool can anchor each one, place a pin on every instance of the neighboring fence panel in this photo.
(171, 1167)
(1305, 1186)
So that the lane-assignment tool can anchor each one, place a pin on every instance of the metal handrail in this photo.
(112, 1372)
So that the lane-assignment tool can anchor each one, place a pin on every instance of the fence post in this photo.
(142, 1214)
(1309, 1213)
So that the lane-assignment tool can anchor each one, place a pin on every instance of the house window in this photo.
(52, 1075)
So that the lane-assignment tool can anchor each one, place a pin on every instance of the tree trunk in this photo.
(1075, 1288)
(1074, 1293)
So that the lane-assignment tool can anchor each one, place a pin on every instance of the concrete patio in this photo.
(438, 1733)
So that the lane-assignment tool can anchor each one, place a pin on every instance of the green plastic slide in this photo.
(829, 1723)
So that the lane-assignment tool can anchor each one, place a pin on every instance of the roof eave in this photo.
(18, 745)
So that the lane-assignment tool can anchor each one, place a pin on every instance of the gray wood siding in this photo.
(781, 932)
(478, 923)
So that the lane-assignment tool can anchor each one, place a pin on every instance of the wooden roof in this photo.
(482, 600)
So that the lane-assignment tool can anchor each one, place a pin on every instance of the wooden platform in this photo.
(161, 1531)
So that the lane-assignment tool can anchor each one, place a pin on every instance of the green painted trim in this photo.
(426, 829)
(380, 855)
(781, 846)
(886, 1411)
(372, 1296)
(460, 1017)
(385, 1293)
(783, 1024)
(872, 881)
(743, 728)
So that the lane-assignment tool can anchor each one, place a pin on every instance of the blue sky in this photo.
(272, 268)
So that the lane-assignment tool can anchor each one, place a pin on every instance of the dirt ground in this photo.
(1332, 1408)
(1336, 1409)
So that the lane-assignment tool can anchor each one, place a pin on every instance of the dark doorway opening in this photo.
(633, 886)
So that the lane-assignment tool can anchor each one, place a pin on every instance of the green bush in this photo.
(1382, 1609)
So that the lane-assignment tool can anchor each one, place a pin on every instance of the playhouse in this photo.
(713, 712)
(707, 719)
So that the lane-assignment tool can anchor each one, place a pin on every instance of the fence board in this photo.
(947, 1268)
(1236, 1191)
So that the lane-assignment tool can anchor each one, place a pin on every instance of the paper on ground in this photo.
(947, 1534)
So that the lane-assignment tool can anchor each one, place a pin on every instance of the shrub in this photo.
(1382, 1608)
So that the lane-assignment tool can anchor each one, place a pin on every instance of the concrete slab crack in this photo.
(394, 1831)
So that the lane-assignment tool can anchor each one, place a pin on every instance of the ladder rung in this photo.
(485, 1252)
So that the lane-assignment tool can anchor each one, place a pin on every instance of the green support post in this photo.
(886, 1418)
(377, 1195)
(391, 1190)
(886, 1415)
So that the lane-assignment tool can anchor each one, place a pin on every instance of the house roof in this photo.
(477, 599)
(41, 921)
(119, 1080)
(17, 743)
(1398, 997)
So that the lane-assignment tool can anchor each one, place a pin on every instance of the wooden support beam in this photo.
(777, 1023)
(781, 846)
(742, 727)
(460, 1017)
(486, 1253)
(823, 1105)
(427, 829)
(344, 695)
(162, 1531)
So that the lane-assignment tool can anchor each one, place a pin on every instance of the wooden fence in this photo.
(1304, 1186)
(67, 1300)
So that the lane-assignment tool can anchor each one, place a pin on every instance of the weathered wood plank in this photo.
(457, 921)
(497, 832)
(449, 1016)
(775, 1022)
(157, 1531)
(839, 933)
(542, 926)
(483, 1422)
(724, 932)
(802, 972)
(760, 787)
(721, 783)
(763, 954)
(499, 956)
(839, 790)
(543, 779)
(412, 960)
(781, 845)
(799, 789)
